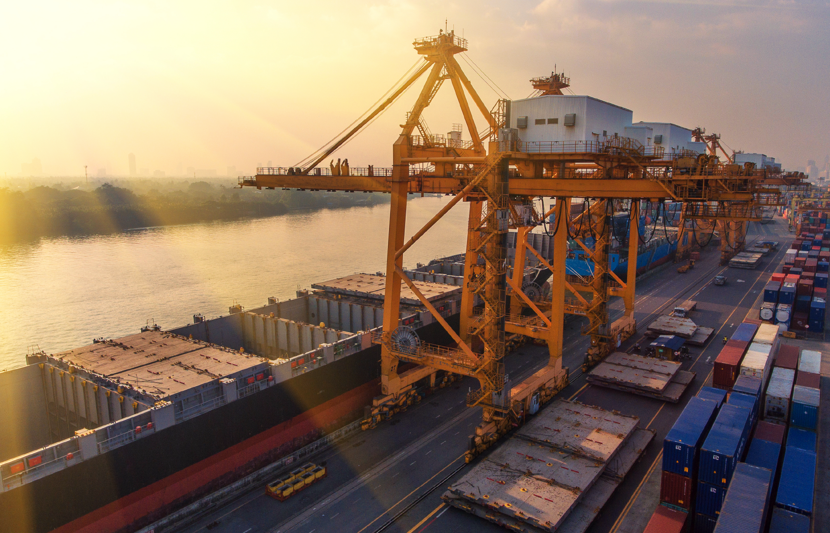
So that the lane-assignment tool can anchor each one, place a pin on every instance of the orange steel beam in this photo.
(528, 301)
(633, 248)
(550, 267)
(470, 260)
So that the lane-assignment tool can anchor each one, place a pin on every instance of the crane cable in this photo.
(473, 65)
(323, 148)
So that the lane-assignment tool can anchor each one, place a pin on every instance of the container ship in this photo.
(120, 433)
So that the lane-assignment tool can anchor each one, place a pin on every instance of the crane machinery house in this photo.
(671, 137)
(552, 123)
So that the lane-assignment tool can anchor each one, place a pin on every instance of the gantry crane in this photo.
(500, 177)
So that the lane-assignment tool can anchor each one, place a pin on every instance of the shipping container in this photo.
(767, 312)
(799, 321)
(770, 432)
(709, 499)
(746, 504)
(787, 522)
(802, 439)
(710, 393)
(666, 520)
(748, 385)
(787, 294)
(787, 356)
(745, 332)
(782, 315)
(764, 454)
(766, 334)
(682, 444)
(747, 401)
(757, 361)
(778, 277)
(802, 303)
(810, 361)
(820, 281)
(771, 292)
(797, 482)
(704, 524)
(779, 392)
(676, 489)
(723, 447)
(727, 366)
(820, 292)
(805, 405)
(808, 379)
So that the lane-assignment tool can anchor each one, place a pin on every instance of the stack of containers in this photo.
(747, 501)
(757, 362)
(710, 393)
(749, 385)
(747, 401)
(816, 318)
(806, 392)
(728, 362)
(765, 450)
(778, 395)
(681, 453)
(798, 473)
(787, 357)
(719, 455)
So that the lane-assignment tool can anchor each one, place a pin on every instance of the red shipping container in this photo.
(778, 276)
(676, 490)
(753, 321)
(808, 275)
(799, 321)
(727, 366)
(800, 262)
(791, 278)
(808, 379)
(786, 270)
(819, 292)
(665, 520)
(787, 356)
(824, 255)
(811, 265)
(770, 432)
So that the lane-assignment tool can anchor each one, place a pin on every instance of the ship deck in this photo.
(373, 287)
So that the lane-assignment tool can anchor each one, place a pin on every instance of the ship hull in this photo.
(132, 486)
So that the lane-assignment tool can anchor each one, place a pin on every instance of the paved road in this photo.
(378, 474)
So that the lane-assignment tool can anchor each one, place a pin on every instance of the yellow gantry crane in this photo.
(500, 177)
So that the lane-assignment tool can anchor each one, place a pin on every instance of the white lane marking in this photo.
(439, 416)
(707, 359)
(412, 463)
(442, 512)
(246, 531)
(443, 441)
(333, 516)
(396, 473)
(429, 452)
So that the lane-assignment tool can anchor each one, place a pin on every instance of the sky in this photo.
(214, 84)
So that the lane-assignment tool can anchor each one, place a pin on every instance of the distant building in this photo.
(206, 173)
(131, 161)
(812, 169)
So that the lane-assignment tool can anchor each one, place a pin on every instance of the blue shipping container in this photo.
(801, 439)
(822, 267)
(745, 332)
(721, 451)
(764, 454)
(788, 522)
(704, 524)
(682, 444)
(771, 292)
(709, 499)
(746, 504)
(711, 393)
(804, 407)
(787, 294)
(798, 477)
(747, 401)
(748, 385)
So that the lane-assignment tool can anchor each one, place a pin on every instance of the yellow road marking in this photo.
(634, 496)
(655, 415)
(577, 392)
(410, 494)
(427, 517)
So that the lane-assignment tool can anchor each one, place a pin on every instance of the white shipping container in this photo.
(766, 334)
(757, 362)
(810, 361)
(779, 392)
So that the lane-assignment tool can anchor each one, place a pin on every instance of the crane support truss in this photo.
(499, 181)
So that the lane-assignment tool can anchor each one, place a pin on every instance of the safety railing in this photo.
(320, 171)
(208, 405)
(435, 40)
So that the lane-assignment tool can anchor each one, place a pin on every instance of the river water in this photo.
(61, 293)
